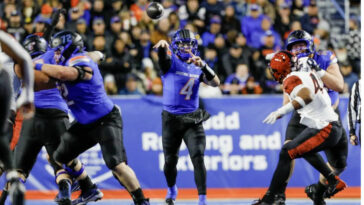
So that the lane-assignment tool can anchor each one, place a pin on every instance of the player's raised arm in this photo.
(65, 73)
(41, 80)
(60, 13)
(164, 59)
(209, 76)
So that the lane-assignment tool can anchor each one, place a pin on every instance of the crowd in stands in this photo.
(235, 36)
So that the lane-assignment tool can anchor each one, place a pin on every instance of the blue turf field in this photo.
(211, 202)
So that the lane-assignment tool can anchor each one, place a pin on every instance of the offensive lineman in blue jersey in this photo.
(48, 124)
(300, 43)
(183, 71)
(98, 120)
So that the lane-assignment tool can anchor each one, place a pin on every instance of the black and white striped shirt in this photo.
(354, 107)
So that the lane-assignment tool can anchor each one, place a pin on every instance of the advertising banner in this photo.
(241, 151)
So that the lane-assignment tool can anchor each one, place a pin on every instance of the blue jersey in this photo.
(49, 98)
(86, 99)
(324, 60)
(180, 87)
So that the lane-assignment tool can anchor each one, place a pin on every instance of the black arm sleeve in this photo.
(49, 28)
(165, 61)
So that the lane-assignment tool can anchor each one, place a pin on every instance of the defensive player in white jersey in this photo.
(24, 103)
(323, 131)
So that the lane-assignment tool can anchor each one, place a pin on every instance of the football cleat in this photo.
(93, 194)
(172, 192)
(144, 202)
(334, 187)
(74, 187)
(169, 201)
(17, 192)
(311, 192)
(202, 199)
(260, 202)
(64, 195)
(268, 196)
(279, 199)
(319, 201)
(64, 201)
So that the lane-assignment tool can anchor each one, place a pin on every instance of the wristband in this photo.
(38, 66)
(209, 73)
(321, 73)
(285, 109)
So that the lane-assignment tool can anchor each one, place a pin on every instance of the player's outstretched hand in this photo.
(272, 118)
(196, 60)
(161, 43)
(25, 104)
(354, 140)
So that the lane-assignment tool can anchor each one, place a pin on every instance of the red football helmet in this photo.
(281, 65)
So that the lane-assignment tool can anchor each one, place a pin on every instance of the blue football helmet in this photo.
(68, 43)
(299, 36)
(35, 45)
(182, 41)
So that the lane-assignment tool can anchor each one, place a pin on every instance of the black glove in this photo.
(49, 28)
(314, 66)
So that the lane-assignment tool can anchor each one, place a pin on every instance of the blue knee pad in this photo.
(73, 173)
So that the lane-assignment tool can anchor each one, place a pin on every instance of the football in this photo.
(155, 10)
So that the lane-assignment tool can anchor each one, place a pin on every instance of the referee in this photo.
(354, 110)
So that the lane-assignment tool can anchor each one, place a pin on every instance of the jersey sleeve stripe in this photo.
(80, 60)
(77, 57)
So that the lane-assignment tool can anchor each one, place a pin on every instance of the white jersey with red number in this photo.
(318, 113)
